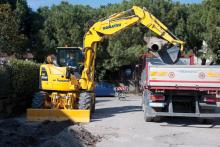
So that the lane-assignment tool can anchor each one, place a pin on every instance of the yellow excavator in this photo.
(67, 87)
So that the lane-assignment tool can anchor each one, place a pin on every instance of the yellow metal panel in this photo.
(161, 73)
(213, 74)
(58, 115)
(55, 70)
(57, 79)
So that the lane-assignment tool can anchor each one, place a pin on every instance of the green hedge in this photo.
(5, 88)
(21, 78)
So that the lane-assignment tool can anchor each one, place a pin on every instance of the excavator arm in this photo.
(115, 23)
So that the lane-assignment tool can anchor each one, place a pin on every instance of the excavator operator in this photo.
(71, 61)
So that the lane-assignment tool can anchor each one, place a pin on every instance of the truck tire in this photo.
(207, 120)
(143, 107)
(157, 119)
(147, 118)
(38, 99)
(152, 119)
(142, 102)
(85, 101)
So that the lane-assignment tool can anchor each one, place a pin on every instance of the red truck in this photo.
(183, 89)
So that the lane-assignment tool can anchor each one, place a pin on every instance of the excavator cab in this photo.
(72, 58)
(67, 55)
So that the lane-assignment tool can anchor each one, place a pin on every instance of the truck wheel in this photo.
(142, 103)
(143, 107)
(147, 118)
(38, 99)
(152, 119)
(85, 101)
(207, 120)
(157, 119)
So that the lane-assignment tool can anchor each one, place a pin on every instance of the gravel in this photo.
(46, 134)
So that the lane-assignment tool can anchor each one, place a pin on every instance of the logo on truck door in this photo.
(171, 75)
(202, 75)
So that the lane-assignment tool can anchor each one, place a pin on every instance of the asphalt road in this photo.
(121, 124)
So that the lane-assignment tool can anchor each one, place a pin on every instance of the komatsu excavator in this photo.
(67, 89)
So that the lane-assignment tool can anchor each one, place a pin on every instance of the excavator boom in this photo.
(118, 22)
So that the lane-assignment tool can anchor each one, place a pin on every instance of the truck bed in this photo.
(183, 76)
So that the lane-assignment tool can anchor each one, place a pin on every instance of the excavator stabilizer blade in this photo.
(75, 115)
(170, 56)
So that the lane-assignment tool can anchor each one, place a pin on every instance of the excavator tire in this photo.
(38, 100)
(93, 105)
(85, 101)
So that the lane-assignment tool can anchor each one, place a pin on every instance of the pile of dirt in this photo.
(45, 134)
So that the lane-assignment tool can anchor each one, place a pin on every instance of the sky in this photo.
(35, 4)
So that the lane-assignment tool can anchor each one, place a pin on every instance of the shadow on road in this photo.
(102, 101)
(112, 111)
(189, 122)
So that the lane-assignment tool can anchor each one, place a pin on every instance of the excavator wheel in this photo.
(85, 101)
(38, 100)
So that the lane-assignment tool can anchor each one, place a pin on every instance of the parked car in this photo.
(104, 89)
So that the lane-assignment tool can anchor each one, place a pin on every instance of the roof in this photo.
(28, 56)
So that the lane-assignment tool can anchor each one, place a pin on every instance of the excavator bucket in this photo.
(75, 115)
(170, 55)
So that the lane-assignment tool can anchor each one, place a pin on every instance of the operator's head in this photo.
(72, 56)
(50, 59)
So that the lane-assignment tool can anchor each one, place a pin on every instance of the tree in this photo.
(212, 23)
(15, 26)
(64, 24)
(195, 26)
(10, 38)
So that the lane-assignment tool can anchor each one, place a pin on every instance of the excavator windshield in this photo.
(69, 56)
